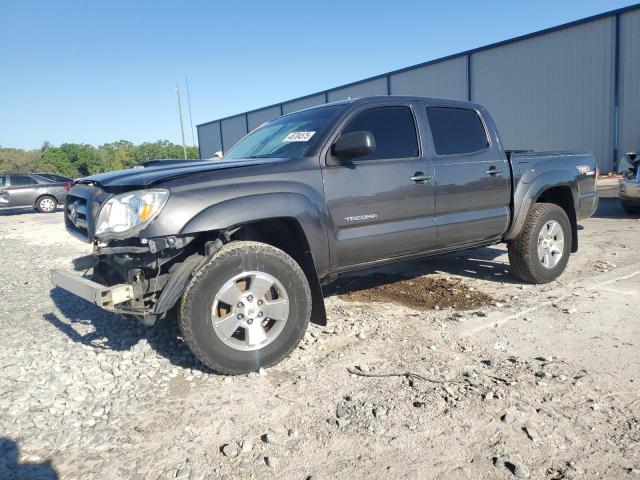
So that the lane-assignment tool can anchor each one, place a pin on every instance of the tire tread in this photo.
(520, 249)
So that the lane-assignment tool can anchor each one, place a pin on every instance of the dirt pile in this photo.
(421, 293)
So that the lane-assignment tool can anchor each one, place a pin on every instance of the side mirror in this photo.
(354, 144)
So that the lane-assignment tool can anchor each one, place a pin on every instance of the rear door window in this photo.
(3, 180)
(22, 181)
(393, 128)
(456, 131)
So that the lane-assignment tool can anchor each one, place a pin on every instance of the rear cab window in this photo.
(393, 128)
(456, 131)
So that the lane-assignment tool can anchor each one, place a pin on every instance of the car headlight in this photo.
(129, 212)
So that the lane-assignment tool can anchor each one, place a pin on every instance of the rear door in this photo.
(381, 205)
(22, 190)
(473, 188)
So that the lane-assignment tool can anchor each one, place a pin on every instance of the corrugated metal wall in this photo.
(552, 90)
(306, 102)
(629, 82)
(257, 118)
(446, 79)
(209, 139)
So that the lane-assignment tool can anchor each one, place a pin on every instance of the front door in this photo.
(381, 205)
(472, 174)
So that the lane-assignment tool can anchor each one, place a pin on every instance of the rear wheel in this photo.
(541, 252)
(247, 308)
(46, 204)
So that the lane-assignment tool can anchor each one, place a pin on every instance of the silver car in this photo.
(629, 184)
(43, 191)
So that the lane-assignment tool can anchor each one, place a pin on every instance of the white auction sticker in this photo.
(298, 137)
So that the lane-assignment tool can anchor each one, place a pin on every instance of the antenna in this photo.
(184, 147)
(193, 138)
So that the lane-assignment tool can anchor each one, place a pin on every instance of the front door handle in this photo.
(493, 171)
(420, 177)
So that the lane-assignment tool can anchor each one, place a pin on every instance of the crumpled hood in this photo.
(144, 177)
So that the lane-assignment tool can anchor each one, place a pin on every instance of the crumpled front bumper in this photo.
(103, 296)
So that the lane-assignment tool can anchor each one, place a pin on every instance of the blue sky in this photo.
(95, 72)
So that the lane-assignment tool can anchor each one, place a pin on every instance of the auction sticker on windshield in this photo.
(298, 137)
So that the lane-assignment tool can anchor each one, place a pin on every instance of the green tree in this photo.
(56, 160)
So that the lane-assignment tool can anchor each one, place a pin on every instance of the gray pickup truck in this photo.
(242, 245)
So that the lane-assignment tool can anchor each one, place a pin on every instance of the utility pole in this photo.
(193, 139)
(184, 147)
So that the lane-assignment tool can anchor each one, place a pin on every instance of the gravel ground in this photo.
(540, 383)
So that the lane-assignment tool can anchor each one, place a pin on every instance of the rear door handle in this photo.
(493, 171)
(420, 177)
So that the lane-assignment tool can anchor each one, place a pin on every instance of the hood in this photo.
(147, 176)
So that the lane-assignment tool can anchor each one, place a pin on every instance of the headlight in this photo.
(129, 211)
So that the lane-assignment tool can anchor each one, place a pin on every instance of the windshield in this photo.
(286, 137)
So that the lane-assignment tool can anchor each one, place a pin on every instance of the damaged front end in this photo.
(127, 274)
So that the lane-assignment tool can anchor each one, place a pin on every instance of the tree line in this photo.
(79, 160)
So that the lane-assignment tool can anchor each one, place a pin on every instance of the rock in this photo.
(520, 471)
(363, 368)
(231, 450)
(312, 477)
(490, 362)
(343, 422)
(340, 411)
(272, 462)
(379, 412)
(292, 433)
(570, 311)
(247, 446)
(183, 472)
(500, 461)
(507, 418)
(262, 372)
(271, 437)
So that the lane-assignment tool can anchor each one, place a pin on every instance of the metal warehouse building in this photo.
(571, 87)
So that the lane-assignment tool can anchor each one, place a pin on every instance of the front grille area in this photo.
(81, 209)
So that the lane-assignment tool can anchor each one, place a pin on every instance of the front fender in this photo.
(526, 194)
(246, 209)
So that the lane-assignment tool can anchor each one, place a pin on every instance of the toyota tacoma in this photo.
(242, 245)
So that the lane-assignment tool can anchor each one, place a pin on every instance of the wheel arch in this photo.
(551, 187)
(288, 235)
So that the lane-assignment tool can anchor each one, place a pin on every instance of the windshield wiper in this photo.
(261, 156)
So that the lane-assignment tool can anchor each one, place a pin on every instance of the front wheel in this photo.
(247, 308)
(541, 252)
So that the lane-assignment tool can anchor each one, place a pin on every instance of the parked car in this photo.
(243, 245)
(629, 184)
(43, 191)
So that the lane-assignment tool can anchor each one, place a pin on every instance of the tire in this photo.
(631, 209)
(241, 265)
(46, 204)
(526, 263)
